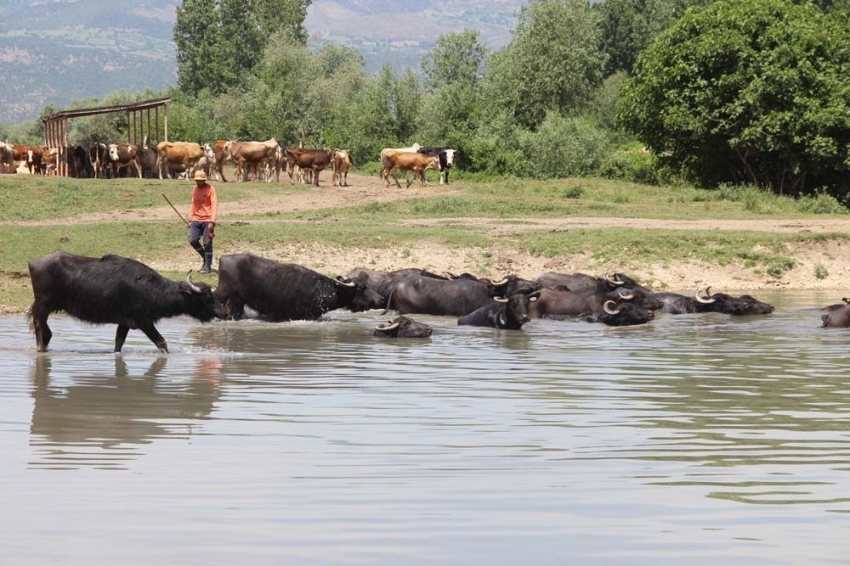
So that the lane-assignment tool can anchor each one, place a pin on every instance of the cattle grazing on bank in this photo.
(341, 165)
(509, 314)
(282, 291)
(393, 161)
(111, 290)
(403, 327)
(182, 156)
(121, 156)
(314, 160)
(446, 157)
(252, 156)
(454, 297)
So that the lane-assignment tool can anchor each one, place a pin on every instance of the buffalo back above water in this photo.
(403, 327)
(728, 304)
(280, 291)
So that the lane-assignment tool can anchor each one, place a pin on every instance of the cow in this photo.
(112, 290)
(563, 303)
(316, 160)
(219, 158)
(509, 314)
(727, 304)
(446, 157)
(403, 327)
(29, 156)
(50, 160)
(392, 160)
(7, 157)
(418, 294)
(341, 165)
(78, 163)
(252, 154)
(97, 158)
(121, 156)
(180, 155)
(282, 291)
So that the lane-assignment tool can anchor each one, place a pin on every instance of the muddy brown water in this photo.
(698, 439)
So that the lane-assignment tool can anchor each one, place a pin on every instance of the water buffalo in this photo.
(283, 291)
(624, 314)
(510, 313)
(403, 327)
(583, 282)
(727, 304)
(454, 297)
(382, 282)
(112, 290)
(837, 316)
(559, 303)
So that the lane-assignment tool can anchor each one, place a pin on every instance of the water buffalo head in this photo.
(403, 327)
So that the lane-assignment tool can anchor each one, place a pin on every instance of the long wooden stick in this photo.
(175, 210)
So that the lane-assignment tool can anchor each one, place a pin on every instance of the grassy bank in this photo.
(127, 217)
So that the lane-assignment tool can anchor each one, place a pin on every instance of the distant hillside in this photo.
(53, 51)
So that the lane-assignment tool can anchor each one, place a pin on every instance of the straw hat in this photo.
(200, 176)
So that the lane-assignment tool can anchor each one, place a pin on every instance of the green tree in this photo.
(239, 44)
(196, 38)
(553, 62)
(456, 59)
(628, 26)
(285, 17)
(748, 91)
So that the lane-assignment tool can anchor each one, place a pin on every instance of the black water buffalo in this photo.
(624, 314)
(112, 290)
(675, 303)
(510, 313)
(454, 297)
(382, 282)
(403, 327)
(283, 291)
(583, 282)
(558, 302)
(727, 304)
(837, 316)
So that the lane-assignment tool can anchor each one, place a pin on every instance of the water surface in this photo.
(697, 439)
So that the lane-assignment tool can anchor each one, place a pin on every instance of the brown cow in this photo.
(121, 156)
(253, 155)
(316, 160)
(179, 155)
(219, 159)
(341, 163)
(30, 155)
(392, 160)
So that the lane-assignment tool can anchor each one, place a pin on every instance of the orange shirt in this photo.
(204, 204)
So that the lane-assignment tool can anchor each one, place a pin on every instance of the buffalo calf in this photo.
(403, 327)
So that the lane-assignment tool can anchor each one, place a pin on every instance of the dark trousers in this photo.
(199, 238)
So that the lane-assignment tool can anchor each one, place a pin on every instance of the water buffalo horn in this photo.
(346, 282)
(533, 296)
(615, 280)
(191, 283)
(500, 300)
(707, 300)
(608, 309)
(392, 326)
(502, 282)
(627, 296)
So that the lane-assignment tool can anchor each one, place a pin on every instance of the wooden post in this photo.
(150, 137)
(165, 123)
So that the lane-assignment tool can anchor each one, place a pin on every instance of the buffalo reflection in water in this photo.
(92, 420)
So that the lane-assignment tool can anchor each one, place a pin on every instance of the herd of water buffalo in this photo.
(118, 290)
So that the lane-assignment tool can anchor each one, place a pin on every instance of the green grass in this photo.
(29, 204)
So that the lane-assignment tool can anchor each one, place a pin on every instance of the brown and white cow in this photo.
(182, 156)
(316, 160)
(97, 158)
(121, 156)
(253, 155)
(341, 165)
(219, 159)
(28, 155)
(393, 161)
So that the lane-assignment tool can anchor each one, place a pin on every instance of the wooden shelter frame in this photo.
(138, 116)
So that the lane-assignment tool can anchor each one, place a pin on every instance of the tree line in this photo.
(727, 92)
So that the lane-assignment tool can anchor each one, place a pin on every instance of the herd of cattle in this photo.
(253, 160)
(117, 290)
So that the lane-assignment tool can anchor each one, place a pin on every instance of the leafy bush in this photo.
(635, 165)
(564, 147)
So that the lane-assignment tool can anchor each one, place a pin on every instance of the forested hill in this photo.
(53, 51)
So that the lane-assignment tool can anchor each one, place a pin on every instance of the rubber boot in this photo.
(207, 264)
(201, 253)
